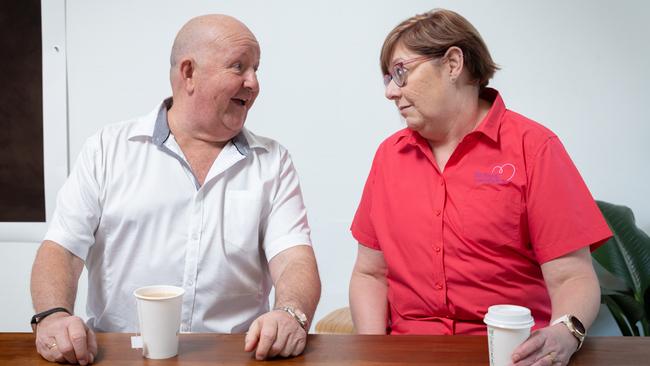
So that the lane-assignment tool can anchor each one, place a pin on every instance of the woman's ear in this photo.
(454, 58)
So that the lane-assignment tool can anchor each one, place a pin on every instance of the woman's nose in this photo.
(392, 91)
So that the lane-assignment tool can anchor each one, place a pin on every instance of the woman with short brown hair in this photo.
(471, 205)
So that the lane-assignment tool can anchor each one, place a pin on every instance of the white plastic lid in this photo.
(509, 317)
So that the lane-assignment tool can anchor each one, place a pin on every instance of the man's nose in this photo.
(251, 82)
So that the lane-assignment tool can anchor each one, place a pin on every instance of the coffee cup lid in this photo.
(509, 317)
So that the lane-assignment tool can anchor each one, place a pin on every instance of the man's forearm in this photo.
(55, 275)
(368, 302)
(298, 285)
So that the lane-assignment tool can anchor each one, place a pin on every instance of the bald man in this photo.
(183, 196)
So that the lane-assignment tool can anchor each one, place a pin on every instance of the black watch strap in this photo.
(42, 315)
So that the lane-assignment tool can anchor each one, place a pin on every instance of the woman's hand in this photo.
(548, 346)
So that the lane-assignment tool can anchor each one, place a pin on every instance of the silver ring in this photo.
(50, 346)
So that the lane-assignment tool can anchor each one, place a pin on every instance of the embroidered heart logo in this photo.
(505, 172)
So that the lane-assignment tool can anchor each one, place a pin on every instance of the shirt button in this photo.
(438, 286)
(437, 212)
(190, 283)
(195, 236)
(442, 182)
(437, 249)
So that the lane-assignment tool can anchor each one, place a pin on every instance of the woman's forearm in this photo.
(368, 303)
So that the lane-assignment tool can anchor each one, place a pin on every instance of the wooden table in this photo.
(218, 349)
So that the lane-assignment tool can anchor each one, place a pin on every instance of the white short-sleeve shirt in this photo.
(133, 210)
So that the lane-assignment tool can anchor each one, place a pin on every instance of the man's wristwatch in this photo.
(574, 325)
(300, 317)
(42, 315)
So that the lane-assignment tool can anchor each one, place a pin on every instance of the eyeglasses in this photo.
(398, 73)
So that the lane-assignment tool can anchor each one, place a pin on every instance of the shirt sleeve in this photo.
(562, 215)
(362, 227)
(286, 224)
(78, 209)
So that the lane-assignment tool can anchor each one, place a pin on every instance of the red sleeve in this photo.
(362, 227)
(562, 215)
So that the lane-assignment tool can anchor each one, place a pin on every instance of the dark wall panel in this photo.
(22, 196)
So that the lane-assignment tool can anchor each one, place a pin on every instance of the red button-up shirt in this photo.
(475, 235)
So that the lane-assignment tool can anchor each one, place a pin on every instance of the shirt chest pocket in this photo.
(241, 224)
(492, 215)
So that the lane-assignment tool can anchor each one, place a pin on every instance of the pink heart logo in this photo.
(505, 172)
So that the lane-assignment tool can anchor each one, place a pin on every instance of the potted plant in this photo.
(623, 268)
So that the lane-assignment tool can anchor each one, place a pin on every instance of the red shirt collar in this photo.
(489, 126)
(491, 123)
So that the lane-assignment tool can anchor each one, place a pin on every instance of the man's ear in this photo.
(186, 68)
(454, 58)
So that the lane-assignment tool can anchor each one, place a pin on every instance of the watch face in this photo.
(577, 324)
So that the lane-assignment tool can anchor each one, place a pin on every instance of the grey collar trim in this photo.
(161, 130)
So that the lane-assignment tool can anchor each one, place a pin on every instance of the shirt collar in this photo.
(153, 125)
(492, 121)
(161, 130)
(244, 141)
(408, 137)
(489, 126)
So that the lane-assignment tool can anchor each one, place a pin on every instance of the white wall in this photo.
(579, 67)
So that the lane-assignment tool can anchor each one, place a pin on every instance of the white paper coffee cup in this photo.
(508, 327)
(159, 314)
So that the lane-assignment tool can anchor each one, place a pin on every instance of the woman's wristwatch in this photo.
(574, 325)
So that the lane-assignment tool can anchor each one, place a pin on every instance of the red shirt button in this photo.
(438, 286)
(437, 212)
(438, 249)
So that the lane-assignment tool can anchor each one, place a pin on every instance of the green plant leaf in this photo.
(646, 328)
(610, 284)
(627, 254)
(632, 309)
(618, 315)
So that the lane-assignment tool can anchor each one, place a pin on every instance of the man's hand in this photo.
(548, 346)
(65, 338)
(295, 278)
(275, 333)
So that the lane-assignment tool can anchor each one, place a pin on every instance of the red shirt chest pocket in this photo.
(491, 214)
